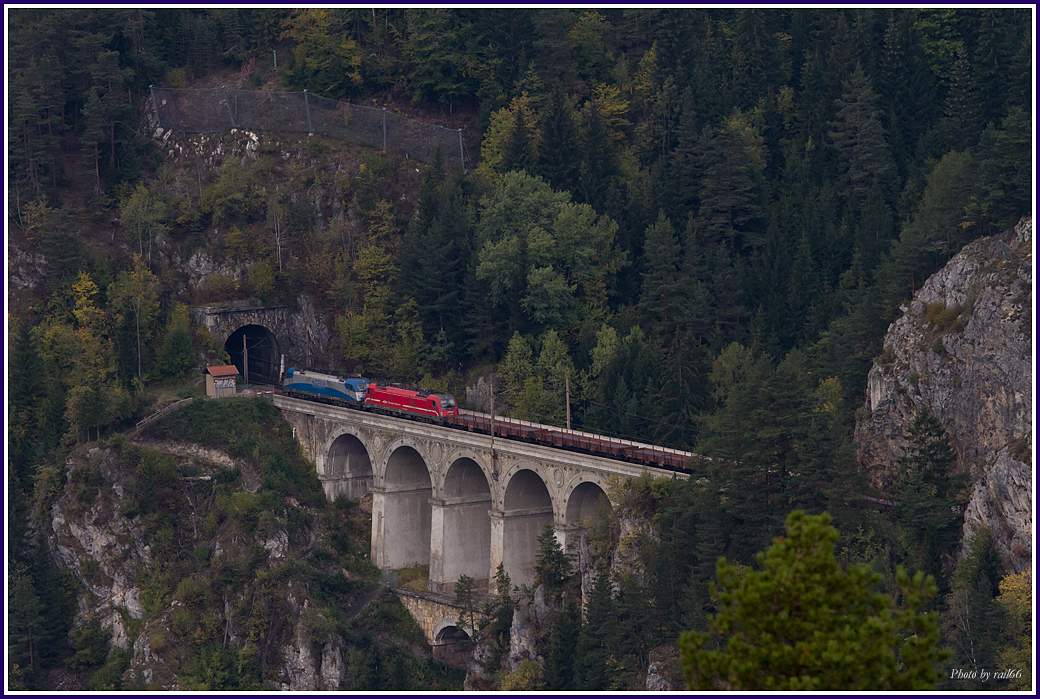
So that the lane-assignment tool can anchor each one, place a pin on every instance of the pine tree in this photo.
(972, 618)
(552, 565)
(662, 300)
(802, 623)
(962, 119)
(929, 494)
(598, 634)
(559, 660)
(25, 635)
(731, 190)
(857, 135)
(599, 161)
(558, 149)
(520, 152)
(908, 88)
(466, 601)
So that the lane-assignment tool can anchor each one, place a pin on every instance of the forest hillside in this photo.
(703, 220)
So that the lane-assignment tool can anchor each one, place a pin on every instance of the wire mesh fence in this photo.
(221, 109)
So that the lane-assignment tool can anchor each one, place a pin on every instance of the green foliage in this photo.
(1016, 634)
(25, 623)
(552, 565)
(466, 599)
(387, 613)
(802, 623)
(109, 677)
(539, 253)
(91, 645)
(972, 619)
(929, 494)
(559, 660)
(249, 429)
(324, 57)
(222, 669)
(526, 678)
(176, 354)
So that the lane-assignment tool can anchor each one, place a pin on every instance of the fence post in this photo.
(307, 101)
(384, 129)
(155, 104)
(462, 155)
(227, 101)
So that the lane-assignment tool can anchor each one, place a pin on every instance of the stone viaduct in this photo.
(437, 498)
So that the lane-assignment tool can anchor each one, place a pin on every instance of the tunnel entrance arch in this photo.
(264, 354)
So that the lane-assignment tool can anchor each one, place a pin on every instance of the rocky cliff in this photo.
(184, 561)
(963, 350)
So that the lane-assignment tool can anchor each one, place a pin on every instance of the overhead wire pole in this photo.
(567, 383)
(245, 356)
(494, 464)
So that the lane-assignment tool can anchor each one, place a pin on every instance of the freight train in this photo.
(423, 404)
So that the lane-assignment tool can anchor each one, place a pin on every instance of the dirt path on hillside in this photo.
(250, 476)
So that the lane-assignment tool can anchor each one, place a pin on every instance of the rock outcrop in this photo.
(963, 351)
(98, 536)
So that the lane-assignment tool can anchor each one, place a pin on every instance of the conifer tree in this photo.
(929, 494)
(520, 153)
(552, 565)
(857, 134)
(802, 623)
(972, 619)
(598, 633)
(559, 660)
(559, 147)
(662, 300)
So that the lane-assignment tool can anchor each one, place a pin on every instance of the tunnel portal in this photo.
(261, 347)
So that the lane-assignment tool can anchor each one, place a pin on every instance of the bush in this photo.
(191, 592)
(942, 317)
(91, 646)
(182, 623)
(109, 677)
(527, 678)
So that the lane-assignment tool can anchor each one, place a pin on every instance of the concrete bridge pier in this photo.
(461, 527)
(401, 524)
(514, 541)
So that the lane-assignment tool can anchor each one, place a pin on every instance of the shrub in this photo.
(91, 645)
(191, 592)
(91, 569)
(942, 317)
(527, 678)
(182, 622)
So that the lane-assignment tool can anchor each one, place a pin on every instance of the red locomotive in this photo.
(408, 399)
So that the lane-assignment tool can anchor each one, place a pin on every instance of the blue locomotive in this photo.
(315, 385)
